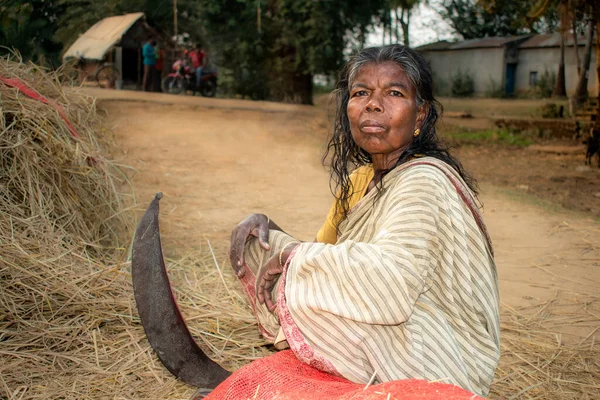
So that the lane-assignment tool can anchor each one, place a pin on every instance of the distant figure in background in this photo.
(198, 57)
(149, 57)
(593, 146)
(159, 66)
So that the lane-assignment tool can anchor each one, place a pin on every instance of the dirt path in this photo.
(217, 161)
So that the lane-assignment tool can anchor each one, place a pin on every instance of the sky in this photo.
(426, 26)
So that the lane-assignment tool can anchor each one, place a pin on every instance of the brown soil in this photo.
(217, 161)
(553, 171)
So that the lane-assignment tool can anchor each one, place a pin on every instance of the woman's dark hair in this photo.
(346, 155)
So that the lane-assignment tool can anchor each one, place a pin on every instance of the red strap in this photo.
(29, 92)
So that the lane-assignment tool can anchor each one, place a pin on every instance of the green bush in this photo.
(462, 84)
(504, 136)
(551, 110)
(546, 83)
(241, 83)
(226, 83)
(494, 90)
(440, 86)
(319, 88)
(544, 86)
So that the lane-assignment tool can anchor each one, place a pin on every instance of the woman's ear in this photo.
(422, 114)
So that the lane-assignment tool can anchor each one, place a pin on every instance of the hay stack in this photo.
(60, 219)
(68, 323)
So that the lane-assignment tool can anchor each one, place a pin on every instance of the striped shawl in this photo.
(409, 290)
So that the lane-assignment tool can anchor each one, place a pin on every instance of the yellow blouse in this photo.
(360, 178)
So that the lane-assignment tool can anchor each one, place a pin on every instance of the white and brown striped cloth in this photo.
(409, 290)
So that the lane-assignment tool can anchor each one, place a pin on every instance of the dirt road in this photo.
(217, 161)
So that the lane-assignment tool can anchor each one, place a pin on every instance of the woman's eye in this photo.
(359, 93)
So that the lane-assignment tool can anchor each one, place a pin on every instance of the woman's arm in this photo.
(375, 279)
(256, 225)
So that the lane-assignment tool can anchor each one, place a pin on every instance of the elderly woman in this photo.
(400, 282)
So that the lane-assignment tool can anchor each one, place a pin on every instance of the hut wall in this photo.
(485, 65)
(539, 60)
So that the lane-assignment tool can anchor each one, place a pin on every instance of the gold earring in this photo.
(417, 132)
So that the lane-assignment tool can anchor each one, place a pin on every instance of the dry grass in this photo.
(540, 361)
(61, 274)
(68, 323)
(549, 351)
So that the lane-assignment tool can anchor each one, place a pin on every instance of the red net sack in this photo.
(281, 376)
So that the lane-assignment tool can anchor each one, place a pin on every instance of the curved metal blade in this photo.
(162, 321)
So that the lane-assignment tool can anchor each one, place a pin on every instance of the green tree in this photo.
(274, 47)
(29, 26)
(403, 17)
(569, 12)
(581, 92)
(80, 15)
(474, 19)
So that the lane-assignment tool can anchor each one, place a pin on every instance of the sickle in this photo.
(162, 321)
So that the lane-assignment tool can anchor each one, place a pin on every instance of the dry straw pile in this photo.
(550, 350)
(68, 323)
(536, 363)
(60, 217)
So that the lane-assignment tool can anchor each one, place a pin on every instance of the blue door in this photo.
(511, 74)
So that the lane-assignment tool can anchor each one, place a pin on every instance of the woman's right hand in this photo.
(256, 225)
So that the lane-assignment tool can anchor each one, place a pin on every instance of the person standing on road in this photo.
(198, 57)
(149, 59)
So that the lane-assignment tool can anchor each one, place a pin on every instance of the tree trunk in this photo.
(383, 33)
(362, 36)
(387, 26)
(406, 30)
(405, 26)
(576, 44)
(581, 93)
(391, 28)
(397, 26)
(597, 17)
(560, 89)
(303, 89)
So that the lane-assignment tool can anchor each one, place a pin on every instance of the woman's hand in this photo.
(268, 274)
(256, 225)
(266, 279)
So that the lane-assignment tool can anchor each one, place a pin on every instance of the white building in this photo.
(510, 64)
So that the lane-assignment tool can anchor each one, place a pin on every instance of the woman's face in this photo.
(383, 112)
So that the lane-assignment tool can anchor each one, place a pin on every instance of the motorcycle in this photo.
(183, 79)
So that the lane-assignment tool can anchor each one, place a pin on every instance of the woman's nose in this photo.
(374, 104)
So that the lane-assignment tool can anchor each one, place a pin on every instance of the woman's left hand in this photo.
(266, 279)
